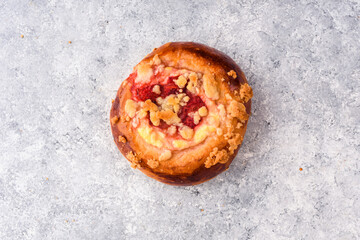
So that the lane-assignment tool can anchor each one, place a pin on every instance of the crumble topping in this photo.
(123, 119)
(237, 110)
(181, 82)
(152, 163)
(203, 111)
(144, 73)
(215, 157)
(114, 120)
(234, 142)
(193, 82)
(154, 118)
(149, 106)
(232, 74)
(168, 116)
(130, 108)
(246, 92)
(211, 87)
(171, 130)
(186, 132)
(122, 139)
(156, 89)
(197, 118)
(135, 161)
(166, 155)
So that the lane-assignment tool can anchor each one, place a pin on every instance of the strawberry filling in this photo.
(145, 91)
(193, 105)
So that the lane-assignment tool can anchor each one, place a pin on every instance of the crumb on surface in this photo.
(152, 163)
(122, 139)
(197, 118)
(114, 120)
(246, 92)
(181, 82)
(210, 87)
(156, 89)
(130, 108)
(171, 130)
(165, 155)
(216, 156)
(134, 159)
(22, 36)
(186, 132)
(203, 111)
(232, 74)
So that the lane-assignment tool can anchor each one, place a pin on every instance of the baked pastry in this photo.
(181, 115)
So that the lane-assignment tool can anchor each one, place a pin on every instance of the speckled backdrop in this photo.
(62, 177)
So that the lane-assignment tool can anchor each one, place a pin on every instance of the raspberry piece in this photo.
(170, 88)
(145, 92)
(193, 105)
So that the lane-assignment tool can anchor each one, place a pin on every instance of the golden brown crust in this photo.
(224, 84)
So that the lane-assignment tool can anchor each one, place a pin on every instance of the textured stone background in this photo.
(62, 177)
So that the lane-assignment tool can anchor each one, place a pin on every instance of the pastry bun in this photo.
(181, 115)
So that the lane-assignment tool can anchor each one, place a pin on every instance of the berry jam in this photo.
(193, 105)
(144, 92)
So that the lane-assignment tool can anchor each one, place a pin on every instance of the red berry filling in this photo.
(170, 88)
(193, 105)
(144, 92)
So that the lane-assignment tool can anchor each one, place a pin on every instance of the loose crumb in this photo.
(112, 100)
(152, 163)
(300, 169)
(46, 179)
(202, 210)
(165, 155)
(22, 36)
(70, 42)
(156, 89)
(114, 120)
(232, 73)
(122, 139)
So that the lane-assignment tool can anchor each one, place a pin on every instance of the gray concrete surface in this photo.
(62, 177)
